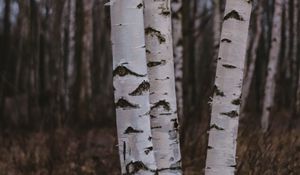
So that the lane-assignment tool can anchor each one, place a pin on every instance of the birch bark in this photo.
(131, 88)
(225, 106)
(272, 65)
(164, 122)
(178, 53)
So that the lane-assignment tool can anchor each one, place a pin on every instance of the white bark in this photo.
(272, 65)
(162, 90)
(225, 106)
(178, 53)
(131, 88)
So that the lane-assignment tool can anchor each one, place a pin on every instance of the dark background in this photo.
(40, 134)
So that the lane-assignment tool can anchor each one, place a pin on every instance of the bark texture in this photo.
(226, 101)
(164, 122)
(272, 65)
(131, 87)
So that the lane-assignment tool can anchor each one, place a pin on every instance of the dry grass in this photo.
(66, 152)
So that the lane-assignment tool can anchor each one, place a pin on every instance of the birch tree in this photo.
(178, 53)
(164, 122)
(131, 88)
(272, 65)
(225, 106)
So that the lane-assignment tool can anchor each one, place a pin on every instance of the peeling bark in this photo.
(158, 27)
(225, 111)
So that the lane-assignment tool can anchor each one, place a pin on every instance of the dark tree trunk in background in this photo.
(4, 60)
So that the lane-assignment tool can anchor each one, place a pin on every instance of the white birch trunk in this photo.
(178, 53)
(131, 88)
(272, 65)
(164, 122)
(221, 153)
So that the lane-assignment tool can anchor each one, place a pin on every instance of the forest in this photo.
(216, 86)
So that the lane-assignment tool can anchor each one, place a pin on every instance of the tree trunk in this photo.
(225, 106)
(70, 67)
(250, 69)
(85, 68)
(268, 101)
(164, 120)
(131, 87)
(217, 34)
(178, 53)
(295, 54)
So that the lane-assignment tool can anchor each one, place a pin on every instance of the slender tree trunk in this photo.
(250, 69)
(131, 87)
(287, 39)
(164, 120)
(85, 71)
(217, 34)
(225, 106)
(5, 51)
(295, 54)
(268, 101)
(178, 53)
(70, 63)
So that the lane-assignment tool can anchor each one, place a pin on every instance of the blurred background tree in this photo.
(56, 72)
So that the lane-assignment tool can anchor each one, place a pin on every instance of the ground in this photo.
(94, 151)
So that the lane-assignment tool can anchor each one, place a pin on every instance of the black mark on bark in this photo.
(231, 114)
(123, 103)
(152, 32)
(148, 150)
(143, 87)
(229, 66)
(218, 92)
(234, 15)
(214, 126)
(156, 63)
(134, 167)
(226, 40)
(140, 5)
(123, 71)
(130, 130)
(236, 101)
(162, 103)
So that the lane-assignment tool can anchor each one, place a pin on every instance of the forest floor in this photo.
(94, 152)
